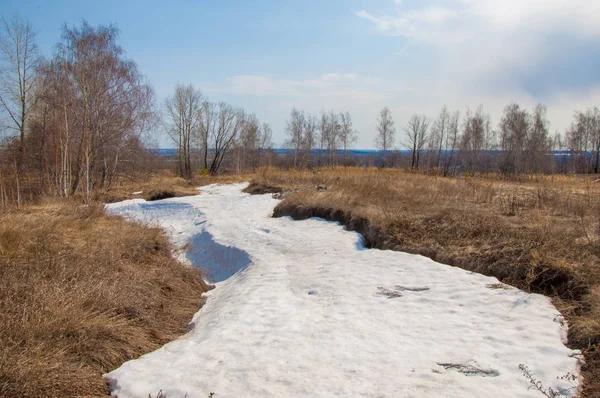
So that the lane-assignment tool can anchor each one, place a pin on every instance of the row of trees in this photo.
(211, 131)
(77, 115)
(520, 143)
(328, 133)
(76, 121)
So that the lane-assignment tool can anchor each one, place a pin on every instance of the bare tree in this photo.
(416, 132)
(514, 128)
(208, 123)
(583, 138)
(109, 101)
(295, 131)
(183, 111)
(310, 138)
(229, 124)
(452, 140)
(348, 135)
(385, 132)
(19, 52)
(332, 137)
(323, 131)
(538, 142)
(248, 145)
(476, 137)
(266, 145)
(439, 131)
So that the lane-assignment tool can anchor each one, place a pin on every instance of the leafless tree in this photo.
(19, 55)
(310, 138)
(452, 140)
(183, 112)
(386, 131)
(514, 129)
(295, 131)
(416, 132)
(332, 137)
(248, 144)
(538, 142)
(110, 101)
(477, 136)
(438, 136)
(229, 124)
(584, 137)
(208, 124)
(348, 135)
(323, 131)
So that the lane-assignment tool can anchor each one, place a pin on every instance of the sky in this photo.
(352, 55)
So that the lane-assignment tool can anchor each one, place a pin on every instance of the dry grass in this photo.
(161, 186)
(540, 233)
(82, 292)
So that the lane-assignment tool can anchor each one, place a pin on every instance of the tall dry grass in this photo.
(82, 292)
(540, 233)
(162, 185)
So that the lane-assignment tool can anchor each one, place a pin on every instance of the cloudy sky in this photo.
(355, 55)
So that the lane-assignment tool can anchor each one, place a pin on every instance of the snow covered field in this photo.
(301, 309)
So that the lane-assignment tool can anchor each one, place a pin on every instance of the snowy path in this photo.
(311, 313)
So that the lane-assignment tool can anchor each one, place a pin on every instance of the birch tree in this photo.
(295, 131)
(386, 132)
(348, 135)
(416, 132)
(19, 56)
(183, 111)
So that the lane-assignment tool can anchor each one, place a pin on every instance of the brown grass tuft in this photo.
(82, 292)
(259, 188)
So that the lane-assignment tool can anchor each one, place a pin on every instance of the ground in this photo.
(311, 312)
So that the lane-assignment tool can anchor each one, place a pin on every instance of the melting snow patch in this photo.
(298, 311)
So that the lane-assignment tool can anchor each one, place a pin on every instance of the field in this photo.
(73, 279)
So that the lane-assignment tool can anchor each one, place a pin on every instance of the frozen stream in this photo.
(302, 310)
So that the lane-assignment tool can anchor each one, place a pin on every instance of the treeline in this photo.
(206, 134)
(78, 116)
(76, 122)
(330, 132)
(448, 144)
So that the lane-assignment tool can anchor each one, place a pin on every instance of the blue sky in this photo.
(355, 55)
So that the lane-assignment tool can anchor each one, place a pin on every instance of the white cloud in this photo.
(477, 51)
(327, 85)
(422, 24)
(491, 41)
(338, 76)
(581, 17)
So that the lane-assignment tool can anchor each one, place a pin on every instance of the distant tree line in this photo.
(78, 121)
(316, 141)
(448, 145)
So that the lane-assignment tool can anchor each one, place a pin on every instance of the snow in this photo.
(302, 309)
